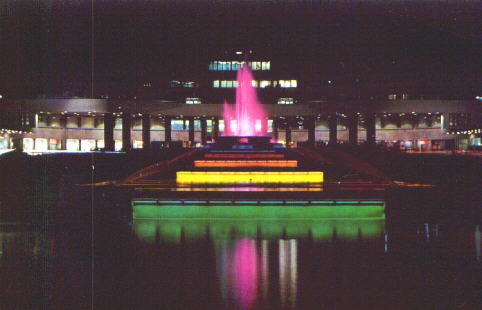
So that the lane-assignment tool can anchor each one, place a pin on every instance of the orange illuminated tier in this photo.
(242, 155)
(246, 163)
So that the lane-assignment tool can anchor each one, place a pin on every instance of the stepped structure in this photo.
(249, 178)
(244, 175)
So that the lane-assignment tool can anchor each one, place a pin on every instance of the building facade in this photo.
(97, 124)
(192, 115)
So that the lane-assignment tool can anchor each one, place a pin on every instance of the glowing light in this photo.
(245, 163)
(243, 155)
(318, 229)
(247, 109)
(144, 201)
(247, 189)
(253, 211)
(257, 125)
(203, 177)
(288, 272)
(245, 272)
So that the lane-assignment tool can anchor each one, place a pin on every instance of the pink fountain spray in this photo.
(247, 118)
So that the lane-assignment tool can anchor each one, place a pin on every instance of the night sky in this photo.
(45, 46)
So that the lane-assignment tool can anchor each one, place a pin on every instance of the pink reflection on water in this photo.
(245, 272)
(249, 116)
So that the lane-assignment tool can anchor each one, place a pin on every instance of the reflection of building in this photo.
(191, 113)
(250, 254)
(288, 272)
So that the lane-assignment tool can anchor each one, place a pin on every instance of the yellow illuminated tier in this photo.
(249, 177)
(246, 163)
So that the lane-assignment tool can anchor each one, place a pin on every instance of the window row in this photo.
(185, 84)
(235, 65)
(256, 83)
(72, 145)
(193, 100)
(286, 101)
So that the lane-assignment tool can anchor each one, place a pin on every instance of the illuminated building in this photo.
(191, 114)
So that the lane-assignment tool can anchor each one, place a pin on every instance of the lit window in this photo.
(87, 145)
(193, 100)
(72, 144)
(233, 125)
(235, 83)
(197, 124)
(223, 84)
(189, 84)
(256, 65)
(226, 65)
(137, 144)
(216, 84)
(177, 124)
(100, 144)
(236, 65)
(285, 101)
(257, 125)
(288, 83)
(254, 83)
(264, 84)
(28, 144)
(41, 144)
(229, 84)
(118, 145)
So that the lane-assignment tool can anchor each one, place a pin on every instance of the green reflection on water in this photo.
(319, 230)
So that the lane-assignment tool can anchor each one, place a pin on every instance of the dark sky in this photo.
(45, 46)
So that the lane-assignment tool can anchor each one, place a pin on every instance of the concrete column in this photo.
(430, 120)
(63, 125)
(353, 129)
(109, 123)
(167, 130)
(204, 131)
(288, 131)
(332, 127)
(264, 125)
(275, 128)
(146, 131)
(191, 130)
(126, 131)
(310, 124)
(215, 127)
(17, 142)
(371, 131)
(63, 121)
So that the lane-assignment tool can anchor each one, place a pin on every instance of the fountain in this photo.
(247, 118)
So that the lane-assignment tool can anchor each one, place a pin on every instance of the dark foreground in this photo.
(80, 249)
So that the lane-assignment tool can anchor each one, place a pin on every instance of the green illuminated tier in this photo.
(258, 209)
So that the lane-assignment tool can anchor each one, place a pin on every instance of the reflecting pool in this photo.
(92, 252)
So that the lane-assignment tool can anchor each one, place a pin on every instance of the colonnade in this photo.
(310, 125)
